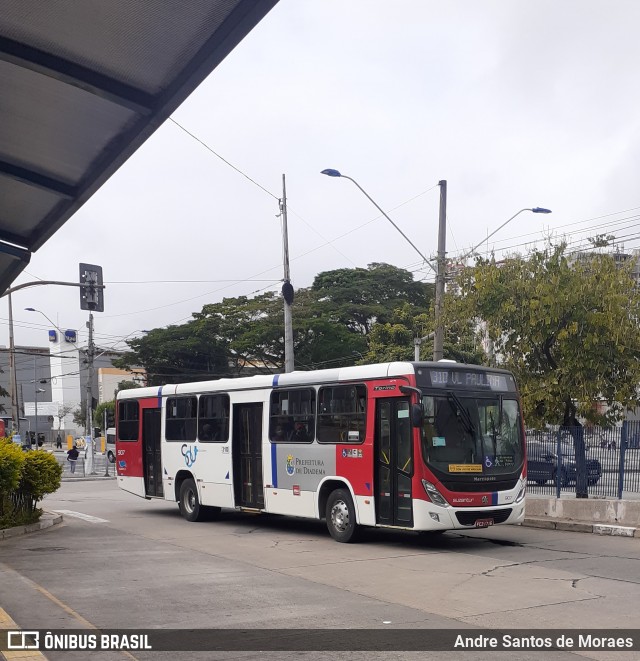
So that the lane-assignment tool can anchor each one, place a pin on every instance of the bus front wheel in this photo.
(189, 503)
(341, 517)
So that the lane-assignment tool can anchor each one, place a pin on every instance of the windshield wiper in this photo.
(460, 409)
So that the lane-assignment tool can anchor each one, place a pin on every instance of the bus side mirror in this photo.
(417, 416)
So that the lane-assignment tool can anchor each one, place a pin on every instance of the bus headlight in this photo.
(521, 493)
(436, 497)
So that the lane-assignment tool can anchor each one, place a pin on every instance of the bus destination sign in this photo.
(443, 378)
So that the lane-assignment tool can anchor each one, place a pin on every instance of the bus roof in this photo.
(375, 371)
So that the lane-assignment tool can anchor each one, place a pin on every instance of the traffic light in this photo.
(91, 291)
(109, 419)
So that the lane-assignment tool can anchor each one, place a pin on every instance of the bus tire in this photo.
(341, 516)
(189, 503)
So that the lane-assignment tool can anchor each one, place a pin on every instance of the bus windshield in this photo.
(472, 433)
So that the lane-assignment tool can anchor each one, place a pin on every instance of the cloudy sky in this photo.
(515, 103)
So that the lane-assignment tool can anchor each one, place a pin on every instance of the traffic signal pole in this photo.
(12, 351)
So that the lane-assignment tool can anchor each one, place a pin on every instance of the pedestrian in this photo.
(58, 442)
(72, 458)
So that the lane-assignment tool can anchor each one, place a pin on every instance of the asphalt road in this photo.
(137, 564)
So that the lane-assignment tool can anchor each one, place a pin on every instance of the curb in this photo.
(47, 520)
(581, 526)
(88, 478)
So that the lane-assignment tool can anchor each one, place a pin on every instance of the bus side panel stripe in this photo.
(160, 397)
(274, 465)
(494, 498)
(275, 380)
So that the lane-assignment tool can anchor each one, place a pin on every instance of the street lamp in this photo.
(336, 173)
(533, 210)
(60, 421)
(45, 316)
(438, 335)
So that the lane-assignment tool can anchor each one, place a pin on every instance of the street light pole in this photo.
(15, 417)
(336, 173)
(441, 263)
(533, 210)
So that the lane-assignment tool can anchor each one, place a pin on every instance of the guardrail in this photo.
(611, 465)
(102, 467)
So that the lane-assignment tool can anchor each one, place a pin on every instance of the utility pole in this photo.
(438, 340)
(15, 417)
(35, 398)
(287, 287)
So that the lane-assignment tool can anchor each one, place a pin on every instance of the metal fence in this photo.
(101, 466)
(611, 465)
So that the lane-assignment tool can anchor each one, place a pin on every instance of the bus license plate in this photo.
(484, 523)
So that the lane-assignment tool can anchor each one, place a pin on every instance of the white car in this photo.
(111, 444)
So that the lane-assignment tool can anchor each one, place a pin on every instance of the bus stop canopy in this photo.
(83, 85)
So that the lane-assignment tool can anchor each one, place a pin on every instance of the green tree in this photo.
(359, 298)
(98, 414)
(331, 322)
(569, 330)
(41, 474)
(194, 351)
(11, 462)
(395, 339)
(126, 384)
(80, 415)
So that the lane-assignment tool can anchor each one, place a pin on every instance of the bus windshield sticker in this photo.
(503, 460)
(354, 437)
(465, 468)
(439, 441)
(403, 413)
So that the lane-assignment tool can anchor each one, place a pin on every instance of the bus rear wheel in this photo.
(189, 503)
(341, 517)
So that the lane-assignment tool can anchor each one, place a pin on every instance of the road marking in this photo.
(57, 602)
(81, 515)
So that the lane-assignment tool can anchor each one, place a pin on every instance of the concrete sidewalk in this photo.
(591, 515)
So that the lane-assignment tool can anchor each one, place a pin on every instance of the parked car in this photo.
(542, 464)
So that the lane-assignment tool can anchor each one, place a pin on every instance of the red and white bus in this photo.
(420, 446)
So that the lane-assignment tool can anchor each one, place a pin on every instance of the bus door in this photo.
(394, 462)
(151, 452)
(246, 447)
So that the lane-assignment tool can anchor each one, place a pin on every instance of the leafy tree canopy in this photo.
(566, 325)
(331, 322)
(394, 340)
(194, 351)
